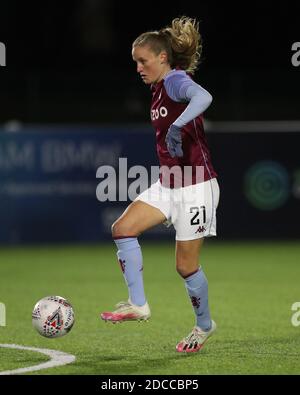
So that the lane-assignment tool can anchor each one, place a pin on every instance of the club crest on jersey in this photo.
(159, 112)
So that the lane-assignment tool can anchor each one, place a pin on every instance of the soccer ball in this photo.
(53, 316)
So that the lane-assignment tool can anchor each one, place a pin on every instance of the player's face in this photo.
(151, 67)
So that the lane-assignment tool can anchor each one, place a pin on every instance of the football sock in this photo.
(197, 288)
(131, 262)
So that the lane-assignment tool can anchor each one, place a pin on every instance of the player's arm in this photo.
(181, 88)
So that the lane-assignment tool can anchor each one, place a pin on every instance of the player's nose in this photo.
(139, 68)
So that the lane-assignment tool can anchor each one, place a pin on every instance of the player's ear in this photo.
(163, 57)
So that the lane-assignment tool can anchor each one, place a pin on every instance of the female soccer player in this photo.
(166, 59)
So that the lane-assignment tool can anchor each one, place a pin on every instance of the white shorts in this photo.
(191, 209)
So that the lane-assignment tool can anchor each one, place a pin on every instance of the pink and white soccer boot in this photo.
(195, 340)
(127, 311)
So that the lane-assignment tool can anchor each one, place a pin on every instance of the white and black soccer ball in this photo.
(53, 316)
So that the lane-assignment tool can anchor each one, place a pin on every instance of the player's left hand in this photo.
(174, 141)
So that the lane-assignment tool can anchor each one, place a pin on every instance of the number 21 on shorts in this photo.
(199, 215)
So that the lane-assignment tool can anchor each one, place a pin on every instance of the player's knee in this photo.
(121, 229)
(180, 271)
(185, 267)
(181, 267)
(117, 229)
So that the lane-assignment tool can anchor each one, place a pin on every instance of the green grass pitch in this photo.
(252, 287)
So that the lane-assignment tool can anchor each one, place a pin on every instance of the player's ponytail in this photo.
(186, 43)
(181, 41)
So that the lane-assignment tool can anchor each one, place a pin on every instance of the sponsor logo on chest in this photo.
(159, 112)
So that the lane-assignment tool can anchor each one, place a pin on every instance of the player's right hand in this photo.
(174, 141)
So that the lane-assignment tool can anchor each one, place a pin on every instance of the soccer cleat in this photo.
(127, 311)
(195, 340)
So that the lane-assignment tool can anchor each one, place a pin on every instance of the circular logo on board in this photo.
(267, 185)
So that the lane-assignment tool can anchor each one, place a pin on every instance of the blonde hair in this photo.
(181, 41)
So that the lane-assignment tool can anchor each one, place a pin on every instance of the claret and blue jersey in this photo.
(178, 99)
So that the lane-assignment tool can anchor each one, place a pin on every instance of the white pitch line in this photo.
(58, 358)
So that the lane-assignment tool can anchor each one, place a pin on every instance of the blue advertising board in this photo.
(49, 184)
(48, 181)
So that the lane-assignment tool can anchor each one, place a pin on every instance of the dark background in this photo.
(70, 61)
(70, 83)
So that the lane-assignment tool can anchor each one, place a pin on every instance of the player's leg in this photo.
(194, 220)
(187, 256)
(187, 265)
(138, 217)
